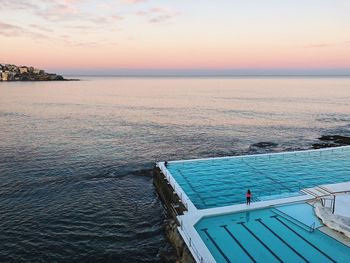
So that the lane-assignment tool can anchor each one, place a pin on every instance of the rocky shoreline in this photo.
(9, 72)
(331, 141)
(173, 207)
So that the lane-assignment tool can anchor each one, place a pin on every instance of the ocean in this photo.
(76, 157)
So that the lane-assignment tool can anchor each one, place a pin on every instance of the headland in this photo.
(9, 72)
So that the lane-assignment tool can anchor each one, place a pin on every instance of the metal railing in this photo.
(331, 197)
(172, 183)
(274, 194)
(191, 245)
(309, 228)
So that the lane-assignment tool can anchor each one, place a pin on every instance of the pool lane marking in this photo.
(281, 239)
(260, 241)
(205, 230)
(307, 241)
(239, 243)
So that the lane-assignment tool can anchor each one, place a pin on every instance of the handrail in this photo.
(275, 193)
(307, 191)
(332, 193)
(191, 244)
(322, 189)
(310, 228)
(170, 179)
(313, 226)
(331, 196)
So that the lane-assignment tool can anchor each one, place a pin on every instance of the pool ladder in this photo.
(310, 228)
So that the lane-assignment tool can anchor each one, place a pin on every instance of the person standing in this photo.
(248, 196)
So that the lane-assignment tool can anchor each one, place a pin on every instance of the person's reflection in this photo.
(247, 216)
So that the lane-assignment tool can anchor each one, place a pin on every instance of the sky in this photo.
(121, 36)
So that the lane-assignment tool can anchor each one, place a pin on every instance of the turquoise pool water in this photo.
(270, 235)
(224, 181)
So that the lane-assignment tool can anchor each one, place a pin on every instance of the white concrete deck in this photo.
(336, 188)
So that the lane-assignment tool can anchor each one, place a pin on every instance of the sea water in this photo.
(76, 157)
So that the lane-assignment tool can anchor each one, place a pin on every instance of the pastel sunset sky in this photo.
(95, 35)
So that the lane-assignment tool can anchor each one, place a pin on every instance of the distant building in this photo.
(11, 75)
(11, 67)
(23, 70)
(5, 76)
(37, 71)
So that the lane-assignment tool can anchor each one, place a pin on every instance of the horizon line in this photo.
(206, 75)
(206, 72)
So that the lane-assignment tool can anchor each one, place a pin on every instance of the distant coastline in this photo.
(9, 72)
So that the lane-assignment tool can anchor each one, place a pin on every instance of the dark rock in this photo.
(264, 145)
(168, 254)
(332, 141)
(336, 139)
(173, 207)
(58, 77)
(324, 145)
(25, 77)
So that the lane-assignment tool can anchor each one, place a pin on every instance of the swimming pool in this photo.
(220, 182)
(281, 234)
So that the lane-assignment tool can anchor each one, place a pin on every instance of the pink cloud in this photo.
(58, 11)
(9, 30)
(19, 4)
(319, 45)
(116, 17)
(134, 1)
(40, 28)
(159, 14)
(61, 11)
